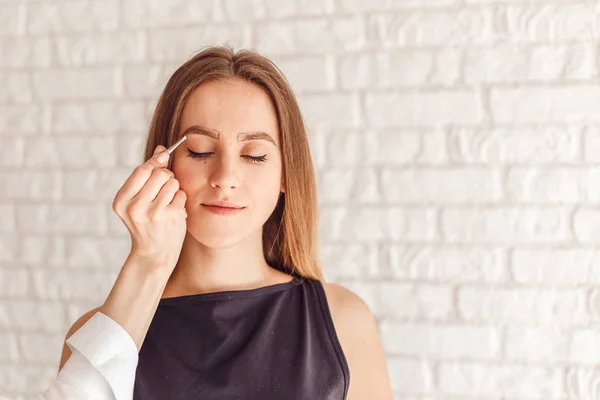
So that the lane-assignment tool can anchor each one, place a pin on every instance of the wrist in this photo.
(148, 268)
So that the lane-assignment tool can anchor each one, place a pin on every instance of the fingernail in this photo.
(162, 157)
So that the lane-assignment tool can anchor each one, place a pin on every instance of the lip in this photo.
(222, 208)
(222, 204)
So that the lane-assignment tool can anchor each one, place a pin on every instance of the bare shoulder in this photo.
(354, 322)
(357, 332)
(66, 352)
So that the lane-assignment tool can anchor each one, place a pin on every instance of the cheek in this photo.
(265, 187)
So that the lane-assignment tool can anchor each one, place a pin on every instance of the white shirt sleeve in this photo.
(102, 366)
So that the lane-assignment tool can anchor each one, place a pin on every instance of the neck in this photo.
(201, 269)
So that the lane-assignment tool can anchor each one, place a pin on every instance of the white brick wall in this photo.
(457, 144)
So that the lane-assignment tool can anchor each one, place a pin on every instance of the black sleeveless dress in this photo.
(273, 343)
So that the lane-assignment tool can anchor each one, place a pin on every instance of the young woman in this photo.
(223, 285)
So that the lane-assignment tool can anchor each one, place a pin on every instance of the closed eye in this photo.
(200, 156)
(204, 156)
(257, 160)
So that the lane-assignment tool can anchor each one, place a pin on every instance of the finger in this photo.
(166, 194)
(178, 200)
(159, 149)
(140, 176)
(149, 191)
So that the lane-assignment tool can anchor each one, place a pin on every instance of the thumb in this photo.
(159, 149)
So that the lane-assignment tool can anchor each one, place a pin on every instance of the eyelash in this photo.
(203, 156)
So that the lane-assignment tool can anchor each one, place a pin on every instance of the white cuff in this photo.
(110, 349)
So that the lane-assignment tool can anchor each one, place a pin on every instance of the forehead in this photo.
(230, 107)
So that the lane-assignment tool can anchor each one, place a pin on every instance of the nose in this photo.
(225, 175)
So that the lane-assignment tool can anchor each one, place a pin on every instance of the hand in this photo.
(152, 207)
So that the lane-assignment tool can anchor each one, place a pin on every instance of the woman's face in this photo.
(232, 154)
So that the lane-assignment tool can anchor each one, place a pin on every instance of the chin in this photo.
(218, 235)
(214, 242)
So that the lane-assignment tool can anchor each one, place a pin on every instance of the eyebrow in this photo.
(214, 134)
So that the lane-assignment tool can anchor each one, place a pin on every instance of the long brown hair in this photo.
(290, 233)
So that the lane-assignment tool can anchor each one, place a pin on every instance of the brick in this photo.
(582, 382)
(411, 375)
(144, 14)
(41, 250)
(343, 147)
(130, 151)
(30, 185)
(523, 305)
(518, 63)
(75, 16)
(515, 145)
(100, 49)
(405, 147)
(373, 224)
(408, 301)
(585, 225)
(441, 185)
(400, 301)
(554, 23)
(146, 81)
(308, 73)
(349, 261)
(244, 10)
(14, 151)
(8, 248)
(553, 185)
(555, 267)
(176, 45)
(28, 380)
(443, 264)
(12, 19)
(510, 381)
(93, 117)
(75, 84)
(539, 104)
(400, 69)
(584, 347)
(94, 185)
(331, 35)
(17, 88)
(34, 316)
(20, 120)
(9, 351)
(506, 225)
(378, 5)
(24, 52)
(72, 285)
(348, 186)
(445, 342)
(14, 282)
(74, 152)
(41, 348)
(591, 144)
(62, 218)
(594, 300)
(423, 108)
(536, 345)
(318, 141)
(330, 110)
(297, 8)
(8, 222)
(106, 254)
(444, 27)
